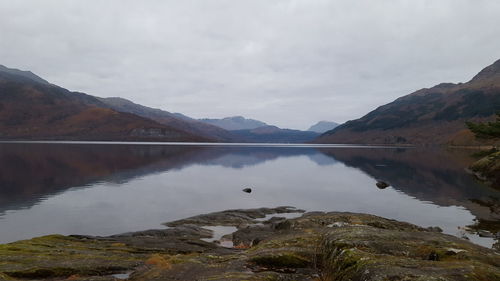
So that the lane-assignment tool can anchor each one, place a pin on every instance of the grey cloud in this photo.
(285, 62)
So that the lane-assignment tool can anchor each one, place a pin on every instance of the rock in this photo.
(233, 217)
(274, 220)
(247, 190)
(382, 185)
(487, 169)
(453, 251)
(283, 225)
(433, 256)
(434, 229)
(338, 224)
(365, 247)
(496, 246)
(485, 233)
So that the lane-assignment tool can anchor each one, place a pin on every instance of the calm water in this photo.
(104, 189)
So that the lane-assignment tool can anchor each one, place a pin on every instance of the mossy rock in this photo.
(488, 169)
(62, 256)
(281, 260)
(329, 246)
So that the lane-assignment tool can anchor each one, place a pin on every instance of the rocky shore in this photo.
(487, 169)
(265, 244)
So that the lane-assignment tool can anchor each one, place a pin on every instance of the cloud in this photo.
(289, 63)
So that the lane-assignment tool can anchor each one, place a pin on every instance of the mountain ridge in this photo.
(273, 134)
(234, 123)
(175, 120)
(24, 74)
(31, 109)
(433, 115)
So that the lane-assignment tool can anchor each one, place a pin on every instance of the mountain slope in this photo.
(30, 109)
(21, 76)
(175, 120)
(235, 123)
(273, 134)
(428, 116)
(323, 126)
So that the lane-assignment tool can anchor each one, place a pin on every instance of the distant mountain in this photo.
(323, 126)
(31, 108)
(234, 123)
(175, 120)
(273, 134)
(428, 116)
(250, 130)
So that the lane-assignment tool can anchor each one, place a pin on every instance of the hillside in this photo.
(33, 109)
(235, 123)
(175, 120)
(21, 76)
(273, 134)
(428, 116)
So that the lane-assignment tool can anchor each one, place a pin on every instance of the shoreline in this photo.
(266, 245)
(188, 143)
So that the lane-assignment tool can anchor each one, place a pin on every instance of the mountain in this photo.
(175, 120)
(235, 123)
(21, 76)
(273, 134)
(250, 130)
(428, 116)
(31, 108)
(323, 126)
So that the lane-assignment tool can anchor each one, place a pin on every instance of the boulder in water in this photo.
(382, 184)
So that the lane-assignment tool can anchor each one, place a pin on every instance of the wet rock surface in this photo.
(314, 246)
(234, 217)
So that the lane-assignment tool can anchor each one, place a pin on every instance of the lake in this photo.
(110, 188)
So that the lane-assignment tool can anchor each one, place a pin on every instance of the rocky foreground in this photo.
(263, 246)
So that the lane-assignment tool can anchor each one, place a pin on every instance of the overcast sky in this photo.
(286, 62)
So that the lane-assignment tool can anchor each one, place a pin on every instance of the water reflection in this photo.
(108, 189)
(32, 172)
(431, 175)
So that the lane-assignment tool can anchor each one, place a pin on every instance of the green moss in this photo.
(287, 260)
(39, 273)
(482, 274)
(57, 256)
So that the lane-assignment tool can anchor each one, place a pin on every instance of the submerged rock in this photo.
(382, 185)
(359, 247)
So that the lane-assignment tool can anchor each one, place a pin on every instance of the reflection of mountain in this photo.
(31, 172)
(239, 157)
(437, 176)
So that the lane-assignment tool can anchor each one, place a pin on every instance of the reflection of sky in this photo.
(146, 202)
